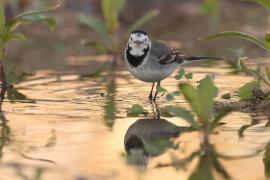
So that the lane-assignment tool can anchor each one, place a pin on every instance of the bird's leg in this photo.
(150, 97)
(158, 85)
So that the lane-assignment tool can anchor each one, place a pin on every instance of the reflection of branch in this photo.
(37, 159)
(5, 132)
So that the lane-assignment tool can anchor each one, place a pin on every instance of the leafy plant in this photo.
(201, 100)
(9, 31)
(252, 90)
(211, 8)
(108, 28)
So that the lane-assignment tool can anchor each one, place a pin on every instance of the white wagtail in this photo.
(152, 61)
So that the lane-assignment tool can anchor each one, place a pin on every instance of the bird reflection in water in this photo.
(149, 137)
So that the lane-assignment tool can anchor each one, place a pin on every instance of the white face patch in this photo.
(138, 42)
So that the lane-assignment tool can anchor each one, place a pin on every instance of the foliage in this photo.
(201, 100)
(108, 28)
(247, 91)
(211, 8)
(8, 30)
(136, 110)
(251, 90)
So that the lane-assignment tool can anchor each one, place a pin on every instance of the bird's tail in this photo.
(189, 59)
(178, 57)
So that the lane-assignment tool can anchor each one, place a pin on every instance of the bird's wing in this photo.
(159, 49)
(164, 54)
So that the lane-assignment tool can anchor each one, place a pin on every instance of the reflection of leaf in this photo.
(169, 97)
(226, 96)
(14, 95)
(266, 160)
(161, 89)
(245, 92)
(203, 170)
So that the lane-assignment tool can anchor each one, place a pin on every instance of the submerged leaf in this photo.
(245, 92)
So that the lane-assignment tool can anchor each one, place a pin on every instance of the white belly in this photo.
(149, 73)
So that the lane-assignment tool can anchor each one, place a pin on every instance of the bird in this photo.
(150, 60)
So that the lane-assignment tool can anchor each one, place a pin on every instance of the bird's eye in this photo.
(131, 39)
(145, 40)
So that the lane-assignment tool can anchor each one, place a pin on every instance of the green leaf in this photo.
(143, 20)
(266, 160)
(183, 113)
(98, 25)
(19, 36)
(201, 99)
(169, 97)
(111, 10)
(261, 43)
(265, 3)
(2, 16)
(267, 70)
(135, 110)
(180, 74)
(161, 89)
(189, 75)
(51, 22)
(245, 92)
(219, 116)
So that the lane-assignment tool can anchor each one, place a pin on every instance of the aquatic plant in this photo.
(253, 89)
(108, 28)
(9, 31)
(201, 101)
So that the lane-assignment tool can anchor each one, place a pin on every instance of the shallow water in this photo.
(75, 129)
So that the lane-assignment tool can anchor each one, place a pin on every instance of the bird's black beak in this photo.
(137, 43)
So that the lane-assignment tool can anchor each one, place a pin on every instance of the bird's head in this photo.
(138, 42)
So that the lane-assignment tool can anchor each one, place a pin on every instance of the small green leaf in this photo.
(265, 3)
(2, 16)
(136, 110)
(261, 43)
(245, 92)
(183, 113)
(226, 96)
(180, 74)
(98, 25)
(189, 75)
(161, 89)
(201, 99)
(170, 97)
(19, 36)
(51, 22)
